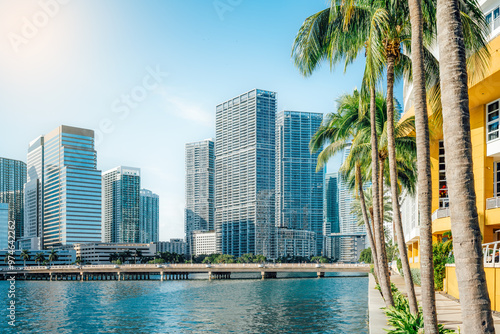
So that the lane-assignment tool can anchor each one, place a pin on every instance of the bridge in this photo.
(171, 271)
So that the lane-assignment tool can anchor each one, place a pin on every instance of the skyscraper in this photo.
(148, 216)
(353, 237)
(71, 188)
(4, 225)
(200, 189)
(299, 188)
(331, 226)
(121, 201)
(33, 193)
(245, 173)
(12, 180)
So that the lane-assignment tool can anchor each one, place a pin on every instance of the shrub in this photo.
(415, 275)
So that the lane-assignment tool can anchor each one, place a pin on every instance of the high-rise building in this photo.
(12, 180)
(331, 227)
(4, 225)
(299, 187)
(353, 236)
(149, 216)
(71, 187)
(245, 173)
(203, 243)
(200, 189)
(33, 194)
(121, 201)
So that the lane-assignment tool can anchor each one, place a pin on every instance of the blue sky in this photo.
(77, 65)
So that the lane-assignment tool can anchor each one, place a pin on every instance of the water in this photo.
(293, 305)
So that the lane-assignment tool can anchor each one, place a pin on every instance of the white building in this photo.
(203, 243)
(178, 246)
(98, 253)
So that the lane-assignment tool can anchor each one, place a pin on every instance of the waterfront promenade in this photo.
(173, 271)
(448, 310)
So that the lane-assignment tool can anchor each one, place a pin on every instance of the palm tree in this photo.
(137, 254)
(113, 257)
(474, 298)
(53, 256)
(126, 255)
(25, 255)
(39, 257)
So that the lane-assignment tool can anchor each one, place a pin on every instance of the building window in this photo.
(493, 19)
(496, 186)
(492, 120)
(443, 187)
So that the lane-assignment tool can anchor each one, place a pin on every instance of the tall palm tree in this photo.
(53, 256)
(25, 255)
(423, 167)
(39, 257)
(474, 298)
(113, 257)
(127, 254)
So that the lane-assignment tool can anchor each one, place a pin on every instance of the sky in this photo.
(146, 77)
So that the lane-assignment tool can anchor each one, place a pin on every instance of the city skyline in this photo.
(74, 78)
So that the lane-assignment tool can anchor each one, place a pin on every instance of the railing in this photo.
(491, 253)
(441, 213)
(492, 203)
(206, 265)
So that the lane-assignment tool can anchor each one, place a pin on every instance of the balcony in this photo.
(493, 203)
(440, 213)
(491, 253)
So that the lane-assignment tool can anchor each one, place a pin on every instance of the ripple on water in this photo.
(329, 305)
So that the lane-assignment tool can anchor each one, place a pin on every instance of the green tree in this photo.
(137, 254)
(25, 255)
(53, 256)
(39, 258)
(366, 256)
(113, 257)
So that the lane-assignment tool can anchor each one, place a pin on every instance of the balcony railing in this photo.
(491, 254)
(492, 203)
(441, 213)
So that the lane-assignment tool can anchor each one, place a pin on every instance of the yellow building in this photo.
(484, 104)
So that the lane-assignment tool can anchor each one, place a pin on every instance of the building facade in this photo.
(121, 201)
(149, 216)
(331, 227)
(4, 225)
(200, 189)
(71, 189)
(245, 173)
(12, 180)
(173, 246)
(33, 195)
(299, 187)
(99, 253)
(203, 243)
(295, 243)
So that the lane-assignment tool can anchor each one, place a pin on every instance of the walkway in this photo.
(449, 312)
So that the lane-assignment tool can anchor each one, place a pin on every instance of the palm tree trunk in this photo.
(476, 307)
(381, 164)
(424, 182)
(393, 174)
(384, 281)
(366, 219)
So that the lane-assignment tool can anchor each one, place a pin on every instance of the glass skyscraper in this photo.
(245, 173)
(33, 192)
(4, 225)
(71, 188)
(200, 189)
(331, 227)
(299, 188)
(121, 203)
(12, 180)
(149, 216)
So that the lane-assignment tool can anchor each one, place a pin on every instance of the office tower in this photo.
(121, 200)
(149, 216)
(71, 188)
(353, 237)
(200, 189)
(331, 226)
(33, 194)
(299, 188)
(245, 173)
(12, 180)
(4, 225)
